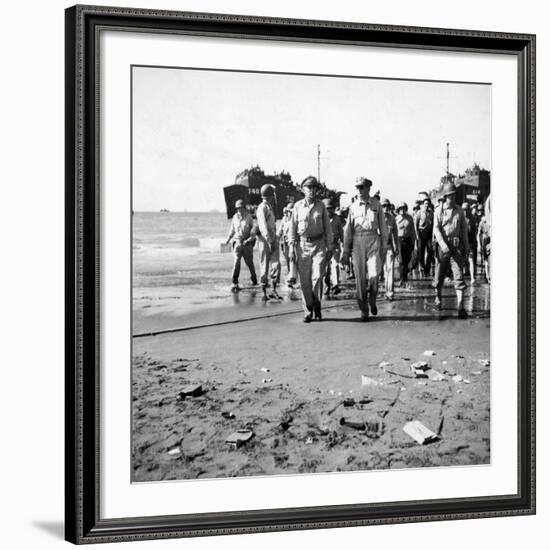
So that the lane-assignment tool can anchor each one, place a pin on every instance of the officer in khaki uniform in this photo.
(366, 235)
(285, 247)
(268, 241)
(392, 250)
(332, 276)
(240, 234)
(451, 233)
(310, 237)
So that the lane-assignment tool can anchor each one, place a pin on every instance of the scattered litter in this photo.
(419, 432)
(350, 391)
(403, 388)
(332, 392)
(420, 365)
(457, 378)
(351, 424)
(458, 391)
(339, 393)
(443, 362)
(436, 376)
(349, 402)
(429, 352)
(176, 451)
(192, 390)
(267, 380)
(466, 381)
(422, 383)
(459, 356)
(366, 381)
(264, 369)
(308, 441)
(419, 373)
(406, 358)
(373, 429)
(484, 362)
(240, 437)
(228, 414)
(476, 372)
(384, 364)
(365, 401)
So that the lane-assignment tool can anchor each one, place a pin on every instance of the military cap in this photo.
(449, 189)
(328, 203)
(402, 205)
(362, 182)
(239, 204)
(310, 181)
(267, 190)
(386, 202)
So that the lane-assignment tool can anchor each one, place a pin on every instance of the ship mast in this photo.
(319, 163)
(447, 161)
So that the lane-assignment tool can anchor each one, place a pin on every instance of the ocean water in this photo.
(179, 249)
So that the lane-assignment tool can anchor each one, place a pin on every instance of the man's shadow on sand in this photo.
(54, 528)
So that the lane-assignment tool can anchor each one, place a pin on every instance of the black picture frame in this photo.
(82, 521)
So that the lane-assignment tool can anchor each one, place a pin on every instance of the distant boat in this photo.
(164, 210)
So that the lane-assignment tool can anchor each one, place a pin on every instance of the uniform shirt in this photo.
(337, 226)
(424, 220)
(391, 224)
(365, 217)
(267, 223)
(484, 230)
(450, 223)
(285, 228)
(241, 227)
(405, 226)
(310, 221)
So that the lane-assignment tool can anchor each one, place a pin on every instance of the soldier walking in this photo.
(364, 235)
(451, 232)
(407, 240)
(285, 247)
(471, 224)
(268, 242)
(424, 222)
(310, 238)
(332, 276)
(240, 234)
(392, 250)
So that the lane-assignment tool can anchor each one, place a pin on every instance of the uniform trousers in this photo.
(311, 269)
(270, 265)
(407, 246)
(290, 265)
(455, 259)
(388, 265)
(245, 252)
(332, 275)
(366, 260)
(425, 251)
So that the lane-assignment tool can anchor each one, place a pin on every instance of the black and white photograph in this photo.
(311, 273)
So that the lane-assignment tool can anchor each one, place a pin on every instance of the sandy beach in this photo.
(261, 369)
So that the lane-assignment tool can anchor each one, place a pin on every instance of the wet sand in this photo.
(286, 381)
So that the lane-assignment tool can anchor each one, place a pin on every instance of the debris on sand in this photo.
(418, 373)
(239, 438)
(361, 426)
(267, 380)
(420, 365)
(228, 414)
(367, 381)
(384, 364)
(457, 378)
(429, 352)
(419, 432)
(264, 369)
(176, 451)
(349, 402)
(436, 376)
(192, 390)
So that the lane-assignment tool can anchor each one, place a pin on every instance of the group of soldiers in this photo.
(368, 240)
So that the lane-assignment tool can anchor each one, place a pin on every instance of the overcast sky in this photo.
(194, 130)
